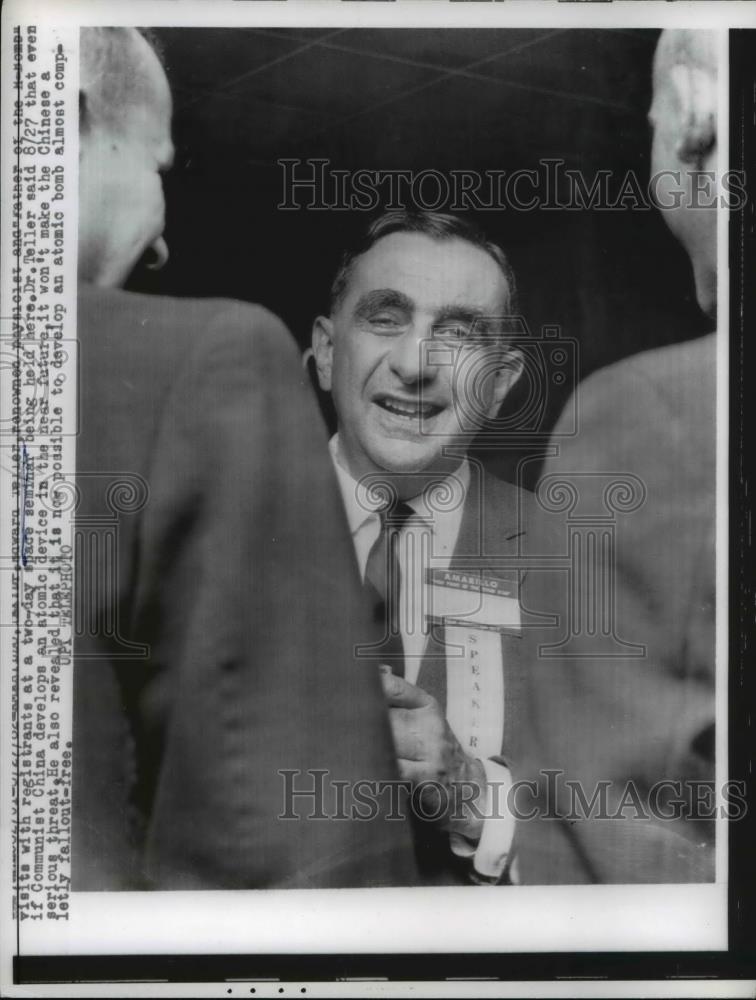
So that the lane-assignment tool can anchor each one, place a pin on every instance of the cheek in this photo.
(354, 365)
(148, 211)
(344, 383)
(149, 204)
(450, 381)
(158, 198)
(468, 395)
(123, 196)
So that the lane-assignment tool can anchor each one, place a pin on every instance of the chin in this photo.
(407, 462)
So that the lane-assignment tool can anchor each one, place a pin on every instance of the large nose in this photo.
(157, 254)
(409, 356)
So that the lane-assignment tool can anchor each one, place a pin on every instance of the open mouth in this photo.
(408, 409)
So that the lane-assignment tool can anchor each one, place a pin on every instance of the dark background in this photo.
(739, 962)
(448, 99)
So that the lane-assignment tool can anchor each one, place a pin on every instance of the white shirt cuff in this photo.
(491, 853)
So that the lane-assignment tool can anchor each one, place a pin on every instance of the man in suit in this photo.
(417, 353)
(209, 680)
(630, 703)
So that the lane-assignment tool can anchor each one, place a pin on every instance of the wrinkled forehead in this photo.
(432, 274)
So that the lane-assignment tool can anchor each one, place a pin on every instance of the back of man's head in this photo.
(115, 75)
(684, 153)
(685, 85)
(124, 143)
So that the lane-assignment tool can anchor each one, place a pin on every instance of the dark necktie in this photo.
(383, 584)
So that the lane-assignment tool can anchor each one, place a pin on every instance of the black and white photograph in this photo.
(375, 433)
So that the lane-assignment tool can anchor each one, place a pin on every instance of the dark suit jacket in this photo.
(637, 704)
(213, 583)
(494, 540)
(493, 535)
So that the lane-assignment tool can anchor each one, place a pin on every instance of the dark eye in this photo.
(454, 333)
(385, 320)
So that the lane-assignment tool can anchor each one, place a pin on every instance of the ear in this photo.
(322, 349)
(506, 376)
(696, 93)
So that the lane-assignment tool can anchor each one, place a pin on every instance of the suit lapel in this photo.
(491, 529)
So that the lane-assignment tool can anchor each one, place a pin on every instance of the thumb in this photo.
(401, 694)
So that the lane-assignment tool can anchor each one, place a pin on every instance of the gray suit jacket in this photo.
(213, 583)
(629, 697)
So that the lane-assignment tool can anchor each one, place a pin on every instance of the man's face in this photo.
(683, 107)
(411, 355)
(121, 204)
(665, 117)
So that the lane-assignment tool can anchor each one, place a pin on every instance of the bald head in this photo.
(124, 145)
(685, 47)
(684, 118)
(116, 76)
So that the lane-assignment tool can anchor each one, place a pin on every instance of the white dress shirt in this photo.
(428, 539)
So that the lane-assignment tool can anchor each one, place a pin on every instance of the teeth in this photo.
(406, 409)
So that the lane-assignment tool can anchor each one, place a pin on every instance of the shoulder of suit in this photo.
(653, 415)
(675, 375)
(664, 393)
(138, 354)
(163, 328)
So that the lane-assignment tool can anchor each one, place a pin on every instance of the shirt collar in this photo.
(436, 505)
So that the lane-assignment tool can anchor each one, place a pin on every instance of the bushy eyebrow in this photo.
(390, 298)
(383, 298)
(460, 314)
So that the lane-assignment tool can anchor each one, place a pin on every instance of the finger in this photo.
(402, 694)
(408, 743)
(420, 774)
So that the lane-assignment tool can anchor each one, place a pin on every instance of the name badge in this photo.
(473, 598)
(475, 689)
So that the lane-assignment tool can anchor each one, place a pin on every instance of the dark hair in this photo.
(437, 226)
(113, 77)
